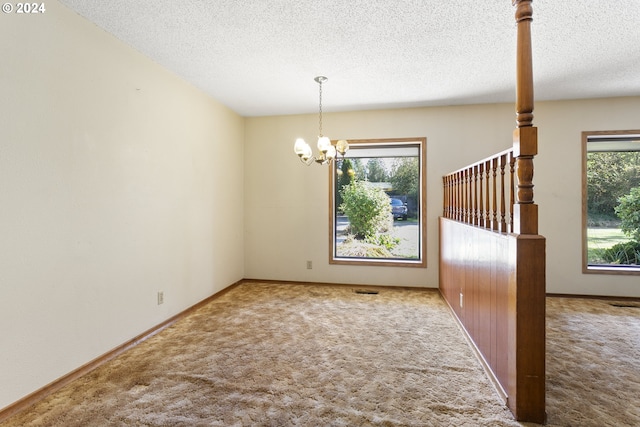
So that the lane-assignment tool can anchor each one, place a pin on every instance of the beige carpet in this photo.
(279, 355)
(593, 362)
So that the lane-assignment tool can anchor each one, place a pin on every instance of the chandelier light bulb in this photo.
(299, 146)
(307, 152)
(331, 152)
(323, 144)
(342, 146)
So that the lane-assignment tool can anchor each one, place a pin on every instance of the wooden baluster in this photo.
(487, 212)
(452, 196)
(481, 195)
(448, 196)
(503, 223)
(470, 194)
(475, 195)
(462, 196)
(472, 212)
(444, 196)
(465, 195)
(450, 199)
(494, 207)
(458, 197)
(445, 206)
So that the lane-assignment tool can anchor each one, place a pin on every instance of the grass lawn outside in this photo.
(602, 238)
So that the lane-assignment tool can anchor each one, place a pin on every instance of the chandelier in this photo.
(328, 151)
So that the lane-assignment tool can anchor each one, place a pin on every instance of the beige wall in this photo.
(559, 189)
(117, 180)
(286, 202)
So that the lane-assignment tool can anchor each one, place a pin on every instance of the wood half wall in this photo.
(494, 283)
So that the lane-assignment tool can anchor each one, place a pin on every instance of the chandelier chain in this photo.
(320, 111)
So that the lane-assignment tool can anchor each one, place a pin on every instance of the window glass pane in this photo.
(377, 204)
(611, 202)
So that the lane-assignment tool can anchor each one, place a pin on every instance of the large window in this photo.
(611, 202)
(377, 203)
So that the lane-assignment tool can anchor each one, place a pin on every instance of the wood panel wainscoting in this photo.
(492, 259)
(494, 284)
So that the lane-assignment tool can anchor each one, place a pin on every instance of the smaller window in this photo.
(611, 202)
(377, 204)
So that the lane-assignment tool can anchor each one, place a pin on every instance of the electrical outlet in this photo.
(160, 297)
(461, 300)
(309, 265)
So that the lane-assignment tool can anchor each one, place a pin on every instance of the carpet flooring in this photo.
(593, 363)
(268, 354)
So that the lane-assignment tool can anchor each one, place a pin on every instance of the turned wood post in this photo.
(524, 68)
(525, 136)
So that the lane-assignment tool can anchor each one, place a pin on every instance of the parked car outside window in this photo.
(399, 209)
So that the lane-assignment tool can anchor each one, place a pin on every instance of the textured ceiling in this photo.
(259, 57)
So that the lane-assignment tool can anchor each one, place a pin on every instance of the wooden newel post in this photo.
(524, 68)
(525, 137)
